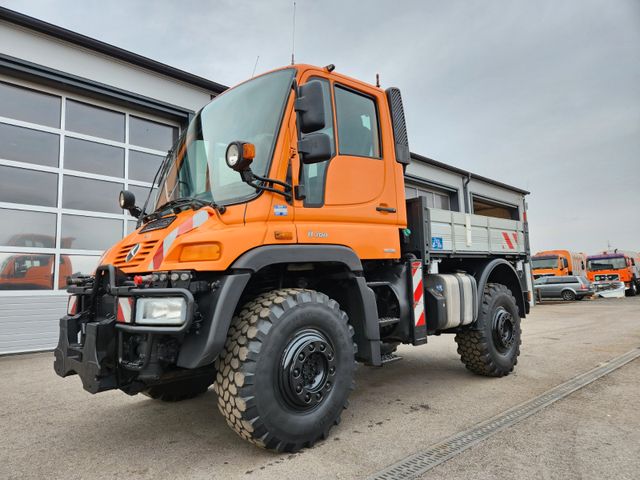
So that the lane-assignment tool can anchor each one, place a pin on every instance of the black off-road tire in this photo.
(255, 391)
(568, 295)
(482, 350)
(183, 389)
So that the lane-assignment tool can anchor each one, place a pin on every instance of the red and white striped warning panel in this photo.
(194, 221)
(72, 305)
(125, 307)
(509, 241)
(418, 294)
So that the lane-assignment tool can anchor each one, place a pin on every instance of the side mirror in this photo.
(127, 201)
(315, 147)
(310, 107)
(239, 155)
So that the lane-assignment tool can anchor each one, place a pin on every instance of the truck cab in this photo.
(558, 263)
(615, 267)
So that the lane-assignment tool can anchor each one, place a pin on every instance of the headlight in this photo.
(161, 311)
(239, 155)
(233, 155)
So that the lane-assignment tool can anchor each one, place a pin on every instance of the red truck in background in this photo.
(615, 266)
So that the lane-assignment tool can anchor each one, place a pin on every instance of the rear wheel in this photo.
(183, 389)
(492, 348)
(286, 369)
(568, 295)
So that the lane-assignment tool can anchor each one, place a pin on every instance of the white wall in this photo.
(66, 57)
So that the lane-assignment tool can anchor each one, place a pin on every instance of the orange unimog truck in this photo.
(613, 267)
(280, 251)
(557, 263)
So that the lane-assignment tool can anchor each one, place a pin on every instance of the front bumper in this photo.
(91, 357)
(108, 354)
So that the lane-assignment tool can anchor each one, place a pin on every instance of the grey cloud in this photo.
(544, 95)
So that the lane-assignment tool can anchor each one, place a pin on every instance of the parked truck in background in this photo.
(558, 263)
(615, 266)
(281, 248)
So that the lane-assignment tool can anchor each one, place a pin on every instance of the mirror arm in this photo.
(249, 177)
(135, 212)
(300, 188)
(271, 180)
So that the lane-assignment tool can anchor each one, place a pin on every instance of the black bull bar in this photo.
(90, 342)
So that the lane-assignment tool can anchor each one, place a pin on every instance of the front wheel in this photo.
(286, 369)
(632, 291)
(492, 347)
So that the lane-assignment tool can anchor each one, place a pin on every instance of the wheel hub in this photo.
(503, 329)
(307, 370)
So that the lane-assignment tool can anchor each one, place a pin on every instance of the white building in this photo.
(79, 121)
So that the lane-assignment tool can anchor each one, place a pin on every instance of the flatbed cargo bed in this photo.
(445, 233)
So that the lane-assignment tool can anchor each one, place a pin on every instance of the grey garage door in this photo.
(63, 160)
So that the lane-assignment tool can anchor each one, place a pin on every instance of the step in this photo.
(390, 358)
(386, 321)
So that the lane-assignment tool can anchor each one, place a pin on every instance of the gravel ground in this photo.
(52, 428)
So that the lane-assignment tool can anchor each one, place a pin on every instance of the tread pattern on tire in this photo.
(237, 362)
(473, 345)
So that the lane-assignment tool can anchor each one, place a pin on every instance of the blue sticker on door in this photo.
(280, 210)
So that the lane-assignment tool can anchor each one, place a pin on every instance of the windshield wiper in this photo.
(180, 204)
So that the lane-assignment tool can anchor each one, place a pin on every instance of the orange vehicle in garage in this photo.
(33, 271)
(280, 250)
(615, 266)
(558, 263)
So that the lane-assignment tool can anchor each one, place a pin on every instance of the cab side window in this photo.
(357, 124)
(314, 174)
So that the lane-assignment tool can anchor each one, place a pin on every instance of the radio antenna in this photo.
(254, 66)
(293, 35)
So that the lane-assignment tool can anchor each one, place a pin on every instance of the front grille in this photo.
(140, 257)
(159, 224)
(610, 277)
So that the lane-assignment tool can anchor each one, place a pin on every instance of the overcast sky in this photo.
(543, 95)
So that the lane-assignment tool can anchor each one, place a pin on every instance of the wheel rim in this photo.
(307, 370)
(503, 329)
(567, 296)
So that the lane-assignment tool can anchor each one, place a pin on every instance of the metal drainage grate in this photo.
(419, 463)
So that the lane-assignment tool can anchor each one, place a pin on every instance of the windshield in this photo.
(251, 112)
(613, 263)
(544, 262)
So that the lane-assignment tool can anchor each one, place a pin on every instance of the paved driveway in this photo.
(51, 428)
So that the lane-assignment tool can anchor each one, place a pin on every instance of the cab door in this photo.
(351, 199)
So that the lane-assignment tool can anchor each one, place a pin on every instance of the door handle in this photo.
(380, 208)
